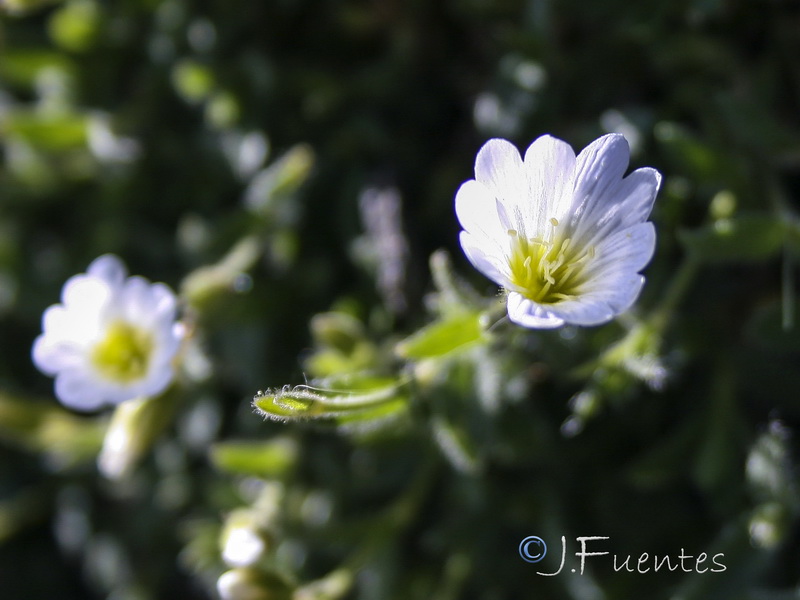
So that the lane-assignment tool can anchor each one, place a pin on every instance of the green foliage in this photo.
(742, 238)
(443, 337)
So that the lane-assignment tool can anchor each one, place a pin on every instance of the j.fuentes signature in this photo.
(533, 549)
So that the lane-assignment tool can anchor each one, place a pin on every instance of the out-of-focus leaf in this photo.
(201, 551)
(22, 67)
(328, 361)
(694, 156)
(134, 427)
(23, 509)
(744, 238)
(456, 332)
(341, 346)
(279, 181)
(455, 295)
(65, 439)
(223, 110)
(193, 81)
(75, 26)
(333, 586)
(209, 283)
(374, 420)
(456, 446)
(54, 132)
(273, 458)
(337, 330)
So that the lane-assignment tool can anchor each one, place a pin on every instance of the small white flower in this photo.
(243, 547)
(566, 236)
(113, 337)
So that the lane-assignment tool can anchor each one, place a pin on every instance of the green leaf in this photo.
(193, 81)
(745, 238)
(359, 402)
(273, 185)
(689, 153)
(23, 67)
(456, 332)
(64, 438)
(455, 294)
(213, 283)
(52, 132)
(341, 346)
(456, 446)
(134, 428)
(76, 25)
(273, 458)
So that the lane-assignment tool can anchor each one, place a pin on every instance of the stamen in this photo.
(547, 271)
(561, 296)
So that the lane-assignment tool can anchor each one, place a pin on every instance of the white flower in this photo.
(243, 546)
(566, 236)
(113, 337)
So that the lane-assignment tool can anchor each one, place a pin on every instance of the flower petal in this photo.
(77, 391)
(484, 257)
(550, 167)
(530, 314)
(157, 380)
(623, 205)
(600, 165)
(584, 310)
(626, 251)
(50, 357)
(498, 166)
(164, 301)
(60, 325)
(476, 209)
(620, 297)
(86, 295)
(108, 268)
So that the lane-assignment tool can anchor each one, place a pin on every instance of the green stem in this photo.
(680, 284)
(787, 291)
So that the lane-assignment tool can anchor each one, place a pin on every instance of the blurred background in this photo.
(289, 168)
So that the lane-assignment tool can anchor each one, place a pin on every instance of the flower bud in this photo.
(243, 542)
(251, 584)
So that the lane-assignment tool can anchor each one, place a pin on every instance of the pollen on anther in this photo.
(512, 232)
(553, 221)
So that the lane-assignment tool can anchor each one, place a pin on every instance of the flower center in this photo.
(124, 354)
(547, 271)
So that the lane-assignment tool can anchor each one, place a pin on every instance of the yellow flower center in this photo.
(547, 271)
(124, 354)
